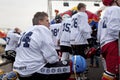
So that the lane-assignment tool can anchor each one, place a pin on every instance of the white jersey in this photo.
(109, 25)
(80, 29)
(55, 28)
(35, 50)
(64, 34)
(12, 40)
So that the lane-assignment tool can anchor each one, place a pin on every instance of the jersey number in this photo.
(26, 39)
(66, 27)
(104, 25)
(55, 32)
(75, 24)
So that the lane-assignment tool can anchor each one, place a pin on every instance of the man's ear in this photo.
(40, 22)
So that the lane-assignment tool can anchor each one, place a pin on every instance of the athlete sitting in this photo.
(36, 57)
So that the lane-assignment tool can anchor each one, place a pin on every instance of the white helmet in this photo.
(65, 16)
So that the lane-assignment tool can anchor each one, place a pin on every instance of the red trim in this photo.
(71, 79)
(70, 66)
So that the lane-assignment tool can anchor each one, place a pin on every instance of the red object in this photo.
(119, 60)
(71, 79)
(2, 34)
(92, 16)
(91, 52)
(56, 11)
(111, 54)
(107, 2)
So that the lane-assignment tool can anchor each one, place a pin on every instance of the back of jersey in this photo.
(55, 28)
(80, 29)
(64, 34)
(12, 40)
(109, 26)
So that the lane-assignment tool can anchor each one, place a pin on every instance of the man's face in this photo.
(83, 9)
(45, 22)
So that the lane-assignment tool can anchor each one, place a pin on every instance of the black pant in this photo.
(44, 74)
(37, 76)
(66, 49)
(9, 55)
(79, 50)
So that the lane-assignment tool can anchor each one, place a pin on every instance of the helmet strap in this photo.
(75, 68)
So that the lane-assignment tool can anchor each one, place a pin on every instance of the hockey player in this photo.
(55, 28)
(64, 37)
(36, 57)
(12, 42)
(80, 31)
(108, 29)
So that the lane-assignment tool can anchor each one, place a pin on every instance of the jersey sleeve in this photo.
(114, 23)
(47, 47)
(60, 32)
(84, 27)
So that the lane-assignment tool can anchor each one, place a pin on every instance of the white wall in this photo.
(19, 13)
(59, 6)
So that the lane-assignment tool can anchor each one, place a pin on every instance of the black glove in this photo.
(9, 55)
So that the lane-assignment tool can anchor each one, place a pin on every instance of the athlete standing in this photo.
(108, 29)
(64, 37)
(81, 31)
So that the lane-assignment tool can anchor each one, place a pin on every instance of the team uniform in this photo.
(80, 32)
(37, 58)
(64, 37)
(55, 28)
(12, 40)
(11, 45)
(108, 29)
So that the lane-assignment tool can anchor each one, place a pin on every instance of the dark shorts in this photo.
(66, 49)
(57, 71)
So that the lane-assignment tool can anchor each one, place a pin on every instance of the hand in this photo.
(91, 52)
